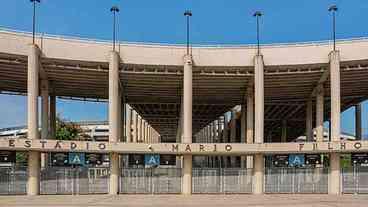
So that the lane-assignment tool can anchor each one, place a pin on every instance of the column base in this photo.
(33, 185)
(187, 175)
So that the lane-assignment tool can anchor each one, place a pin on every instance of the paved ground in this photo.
(193, 201)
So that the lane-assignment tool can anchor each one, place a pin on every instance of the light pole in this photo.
(114, 9)
(34, 19)
(257, 14)
(333, 9)
(188, 14)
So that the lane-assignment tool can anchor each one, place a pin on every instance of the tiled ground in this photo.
(284, 200)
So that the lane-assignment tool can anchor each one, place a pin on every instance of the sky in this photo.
(162, 21)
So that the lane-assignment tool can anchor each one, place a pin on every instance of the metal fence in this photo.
(222, 180)
(355, 180)
(150, 180)
(79, 180)
(13, 180)
(296, 180)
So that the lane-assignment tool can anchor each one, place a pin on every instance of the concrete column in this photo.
(358, 121)
(258, 174)
(250, 122)
(259, 99)
(187, 124)
(284, 131)
(243, 129)
(134, 126)
(139, 129)
(309, 122)
(44, 117)
(114, 119)
(52, 116)
(335, 95)
(225, 139)
(334, 178)
(259, 123)
(33, 184)
(129, 125)
(319, 113)
(233, 135)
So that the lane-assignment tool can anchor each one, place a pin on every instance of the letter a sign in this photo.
(76, 158)
(296, 160)
(152, 160)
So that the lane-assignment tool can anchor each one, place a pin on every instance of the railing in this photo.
(296, 180)
(13, 180)
(79, 180)
(222, 180)
(150, 180)
(355, 180)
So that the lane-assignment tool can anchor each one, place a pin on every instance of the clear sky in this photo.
(213, 22)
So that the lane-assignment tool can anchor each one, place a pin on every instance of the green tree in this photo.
(66, 130)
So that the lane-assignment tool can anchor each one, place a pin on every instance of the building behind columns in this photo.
(160, 95)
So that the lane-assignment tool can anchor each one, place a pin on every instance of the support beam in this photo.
(187, 124)
(259, 99)
(114, 119)
(250, 122)
(319, 113)
(45, 116)
(129, 124)
(33, 185)
(233, 135)
(259, 123)
(334, 178)
(309, 121)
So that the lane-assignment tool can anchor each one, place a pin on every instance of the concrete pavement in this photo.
(284, 200)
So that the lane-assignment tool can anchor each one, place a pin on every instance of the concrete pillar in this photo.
(129, 125)
(33, 184)
(233, 135)
(259, 99)
(358, 121)
(250, 122)
(335, 95)
(334, 178)
(284, 131)
(44, 116)
(225, 139)
(187, 124)
(134, 126)
(259, 123)
(309, 122)
(114, 119)
(139, 129)
(319, 113)
(258, 174)
(52, 116)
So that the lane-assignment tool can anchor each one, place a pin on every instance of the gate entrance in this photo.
(222, 180)
(78, 180)
(13, 180)
(296, 180)
(150, 180)
(355, 180)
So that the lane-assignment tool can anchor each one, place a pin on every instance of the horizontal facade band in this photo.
(43, 145)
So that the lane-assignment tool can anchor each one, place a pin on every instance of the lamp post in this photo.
(34, 19)
(114, 10)
(333, 9)
(257, 14)
(188, 14)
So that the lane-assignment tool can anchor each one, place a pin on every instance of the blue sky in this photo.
(213, 22)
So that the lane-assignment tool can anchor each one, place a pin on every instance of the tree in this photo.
(68, 130)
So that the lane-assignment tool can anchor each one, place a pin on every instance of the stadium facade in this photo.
(187, 101)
